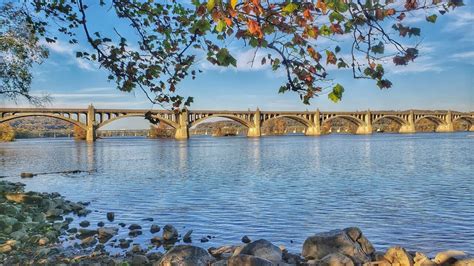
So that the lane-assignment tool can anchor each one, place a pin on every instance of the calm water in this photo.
(411, 190)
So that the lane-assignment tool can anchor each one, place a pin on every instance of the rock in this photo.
(263, 249)
(26, 175)
(148, 219)
(43, 241)
(398, 255)
(246, 239)
(106, 233)
(421, 259)
(84, 223)
(88, 241)
(134, 227)
(204, 239)
(122, 224)
(291, 258)
(138, 260)
(72, 230)
(154, 256)
(187, 237)
(5, 248)
(157, 241)
(23, 198)
(184, 255)
(111, 216)
(154, 228)
(336, 259)
(170, 233)
(248, 260)
(218, 252)
(449, 257)
(100, 224)
(124, 243)
(135, 232)
(350, 242)
(84, 233)
(464, 262)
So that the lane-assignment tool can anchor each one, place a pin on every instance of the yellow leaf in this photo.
(210, 4)
(290, 8)
(233, 3)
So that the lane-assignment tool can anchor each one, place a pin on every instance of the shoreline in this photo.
(35, 226)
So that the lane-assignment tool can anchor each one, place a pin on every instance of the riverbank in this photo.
(35, 228)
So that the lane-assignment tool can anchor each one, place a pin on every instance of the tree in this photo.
(172, 35)
(19, 50)
(7, 133)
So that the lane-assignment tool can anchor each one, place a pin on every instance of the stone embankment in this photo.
(34, 227)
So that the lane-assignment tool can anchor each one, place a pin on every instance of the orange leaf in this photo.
(307, 14)
(228, 21)
(321, 5)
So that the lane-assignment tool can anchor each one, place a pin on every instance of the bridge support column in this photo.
(410, 127)
(182, 132)
(255, 131)
(366, 128)
(471, 128)
(314, 130)
(90, 132)
(448, 126)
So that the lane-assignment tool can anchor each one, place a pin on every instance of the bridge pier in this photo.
(90, 131)
(182, 132)
(471, 128)
(410, 127)
(315, 129)
(448, 126)
(365, 128)
(255, 131)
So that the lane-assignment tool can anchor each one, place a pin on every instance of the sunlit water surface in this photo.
(411, 190)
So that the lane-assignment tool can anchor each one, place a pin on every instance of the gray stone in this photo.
(106, 233)
(134, 227)
(246, 239)
(155, 228)
(138, 260)
(185, 255)
(248, 260)
(449, 257)
(336, 259)
(169, 233)
(26, 175)
(263, 249)
(84, 223)
(110, 216)
(350, 242)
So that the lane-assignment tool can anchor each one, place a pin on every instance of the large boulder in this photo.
(106, 233)
(421, 259)
(263, 249)
(248, 260)
(350, 242)
(184, 255)
(449, 257)
(336, 259)
(399, 256)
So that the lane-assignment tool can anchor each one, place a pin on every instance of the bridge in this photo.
(91, 119)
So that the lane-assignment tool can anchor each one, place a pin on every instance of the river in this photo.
(416, 190)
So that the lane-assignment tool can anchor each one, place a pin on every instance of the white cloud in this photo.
(464, 57)
(68, 50)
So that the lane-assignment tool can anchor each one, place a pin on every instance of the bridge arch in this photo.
(400, 121)
(72, 121)
(356, 121)
(161, 119)
(438, 121)
(307, 123)
(468, 119)
(241, 121)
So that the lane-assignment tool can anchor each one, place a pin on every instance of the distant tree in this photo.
(79, 133)
(7, 133)
(160, 131)
(275, 127)
(294, 35)
(19, 51)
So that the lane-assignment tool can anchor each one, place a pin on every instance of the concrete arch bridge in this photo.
(91, 119)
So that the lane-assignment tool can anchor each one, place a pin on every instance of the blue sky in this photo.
(441, 78)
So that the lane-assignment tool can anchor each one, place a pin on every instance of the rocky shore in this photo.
(34, 227)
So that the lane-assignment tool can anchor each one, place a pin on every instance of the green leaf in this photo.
(220, 26)
(336, 16)
(225, 59)
(337, 49)
(379, 48)
(336, 94)
(290, 8)
(210, 4)
(432, 18)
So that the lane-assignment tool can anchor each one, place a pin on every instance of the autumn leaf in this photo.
(336, 94)
(210, 4)
(290, 8)
(330, 58)
(233, 3)
(254, 28)
(432, 18)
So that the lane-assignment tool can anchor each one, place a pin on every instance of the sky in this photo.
(441, 78)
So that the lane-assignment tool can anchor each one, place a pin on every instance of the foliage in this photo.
(19, 50)
(6, 132)
(161, 131)
(79, 133)
(173, 34)
(276, 126)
